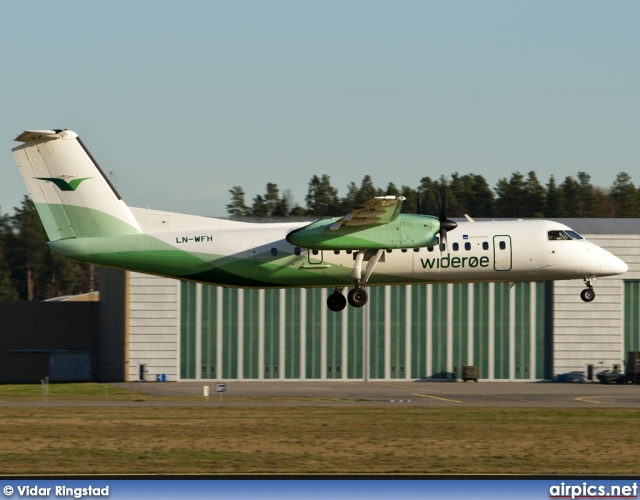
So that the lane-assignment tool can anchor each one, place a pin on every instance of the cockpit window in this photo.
(564, 235)
(574, 236)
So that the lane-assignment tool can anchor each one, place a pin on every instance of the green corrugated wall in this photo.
(414, 332)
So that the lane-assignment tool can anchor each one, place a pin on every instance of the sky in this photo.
(181, 101)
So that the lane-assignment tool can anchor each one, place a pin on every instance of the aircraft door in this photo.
(502, 253)
(315, 256)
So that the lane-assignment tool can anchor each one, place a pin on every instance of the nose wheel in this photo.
(588, 294)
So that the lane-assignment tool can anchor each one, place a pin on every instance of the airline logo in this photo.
(64, 185)
(454, 262)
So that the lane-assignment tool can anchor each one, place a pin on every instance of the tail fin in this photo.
(73, 197)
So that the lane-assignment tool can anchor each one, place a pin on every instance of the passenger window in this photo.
(314, 252)
(404, 250)
(296, 250)
(503, 245)
(467, 246)
(430, 249)
(274, 251)
(416, 249)
(485, 245)
(388, 250)
(337, 252)
(443, 247)
(455, 247)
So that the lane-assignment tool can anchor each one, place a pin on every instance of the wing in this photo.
(378, 210)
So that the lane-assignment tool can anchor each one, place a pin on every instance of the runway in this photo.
(444, 394)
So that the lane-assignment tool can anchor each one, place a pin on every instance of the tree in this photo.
(469, 194)
(534, 197)
(511, 196)
(586, 192)
(7, 288)
(554, 206)
(237, 207)
(625, 197)
(322, 197)
(578, 197)
(272, 199)
(350, 201)
(259, 207)
(410, 205)
(37, 273)
(428, 195)
(31, 252)
(366, 192)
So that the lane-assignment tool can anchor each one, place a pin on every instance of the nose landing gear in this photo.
(588, 294)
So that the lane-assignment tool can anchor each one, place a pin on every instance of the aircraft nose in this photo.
(613, 265)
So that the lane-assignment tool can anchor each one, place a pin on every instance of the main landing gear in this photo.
(336, 301)
(588, 294)
(357, 297)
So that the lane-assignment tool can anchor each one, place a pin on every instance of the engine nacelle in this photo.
(407, 231)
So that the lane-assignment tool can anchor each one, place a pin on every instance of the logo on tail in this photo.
(64, 185)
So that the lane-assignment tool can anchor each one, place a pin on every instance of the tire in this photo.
(336, 302)
(587, 294)
(358, 297)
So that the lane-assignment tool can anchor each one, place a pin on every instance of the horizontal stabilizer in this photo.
(32, 135)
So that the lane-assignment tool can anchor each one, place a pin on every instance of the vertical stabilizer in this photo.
(73, 197)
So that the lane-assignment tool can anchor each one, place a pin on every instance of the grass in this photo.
(62, 392)
(340, 439)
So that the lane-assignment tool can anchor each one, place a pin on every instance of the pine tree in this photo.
(625, 197)
(237, 207)
(7, 288)
(259, 207)
(366, 192)
(535, 197)
(554, 207)
(428, 194)
(511, 196)
(322, 198)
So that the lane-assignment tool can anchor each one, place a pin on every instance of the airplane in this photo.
(87, 220)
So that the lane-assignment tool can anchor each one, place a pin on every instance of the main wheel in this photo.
(336, 302)
(358, 297)
(588, 294)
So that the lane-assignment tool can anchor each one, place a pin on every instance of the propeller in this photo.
(445, 224)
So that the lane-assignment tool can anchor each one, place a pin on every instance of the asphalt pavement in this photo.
(476, 394)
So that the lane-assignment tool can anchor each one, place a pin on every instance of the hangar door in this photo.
(70, 366)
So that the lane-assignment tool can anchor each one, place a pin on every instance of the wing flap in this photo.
(378, 210)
